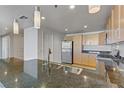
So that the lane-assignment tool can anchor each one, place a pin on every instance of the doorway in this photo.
(5, 47)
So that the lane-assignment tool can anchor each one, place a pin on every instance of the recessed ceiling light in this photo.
(72, 6)
(85, 26)
(43, 18)
(66, 29)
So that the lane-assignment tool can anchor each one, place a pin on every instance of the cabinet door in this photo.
(122, 23)
(90, 39)
(116, 17)
(116, 23)
(112, 26)
(70, 38)
(85, 59)
(92, 60)
(102, 37)
(77, 49)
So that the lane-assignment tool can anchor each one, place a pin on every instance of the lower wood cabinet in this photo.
(92, 60)
(84, 59)
(89, 59)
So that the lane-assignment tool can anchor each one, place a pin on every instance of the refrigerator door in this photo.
(67, 51)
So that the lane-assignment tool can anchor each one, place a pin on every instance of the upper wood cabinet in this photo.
(122, 16)
(70, 38)
(108, 26)
(115, 25)
(102, 38)
(94, 39)
(122, 23)
(115, 17)
(91, 39)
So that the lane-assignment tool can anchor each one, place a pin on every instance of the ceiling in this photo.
(56, 18)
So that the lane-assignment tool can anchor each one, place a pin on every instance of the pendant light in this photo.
(94, 8)
(37, 17)
(15, 27)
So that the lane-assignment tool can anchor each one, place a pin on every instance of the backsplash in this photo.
(97, 47)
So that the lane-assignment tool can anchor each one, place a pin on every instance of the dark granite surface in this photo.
(88, 51)
(115, 75)
(49, 76)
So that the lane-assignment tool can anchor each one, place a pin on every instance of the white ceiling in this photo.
(56, 18)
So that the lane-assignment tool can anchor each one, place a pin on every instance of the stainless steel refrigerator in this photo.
(67, 52)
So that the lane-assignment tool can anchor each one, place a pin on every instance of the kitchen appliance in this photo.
(67, 52)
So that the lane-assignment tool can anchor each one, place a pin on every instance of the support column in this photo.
(0, 47)
(31, 51)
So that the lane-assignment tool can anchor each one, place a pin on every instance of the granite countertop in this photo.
(12, 75)
(94, 51)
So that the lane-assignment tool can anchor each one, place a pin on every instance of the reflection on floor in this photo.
(54, 76)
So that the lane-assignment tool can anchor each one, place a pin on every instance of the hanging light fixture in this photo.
(15, 27)
(94, 9)
(37, 17)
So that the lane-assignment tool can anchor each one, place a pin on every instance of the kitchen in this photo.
(90, 48)
(71, 46)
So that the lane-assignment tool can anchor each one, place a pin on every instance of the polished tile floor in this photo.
(12, 75)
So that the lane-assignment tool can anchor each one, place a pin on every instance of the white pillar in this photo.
(0, 47)
(31, 51)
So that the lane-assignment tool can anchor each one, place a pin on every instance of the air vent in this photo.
(55, 6)
(23, 17)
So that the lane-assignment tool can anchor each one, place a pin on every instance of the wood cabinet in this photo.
(89, 59)
(84, 59)
(92, 60)
(102, 38)
(80, 58)
(70, 38)
(115, 25)
(77, 49)
(94, 39)
(122, 23)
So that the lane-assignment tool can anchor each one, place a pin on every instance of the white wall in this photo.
(6, 47)
(31, 51)
(121, 48)
(58, 37)
(17, 46)
(30, 43)
(97, 47)
(0, 47)
(49, 38)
